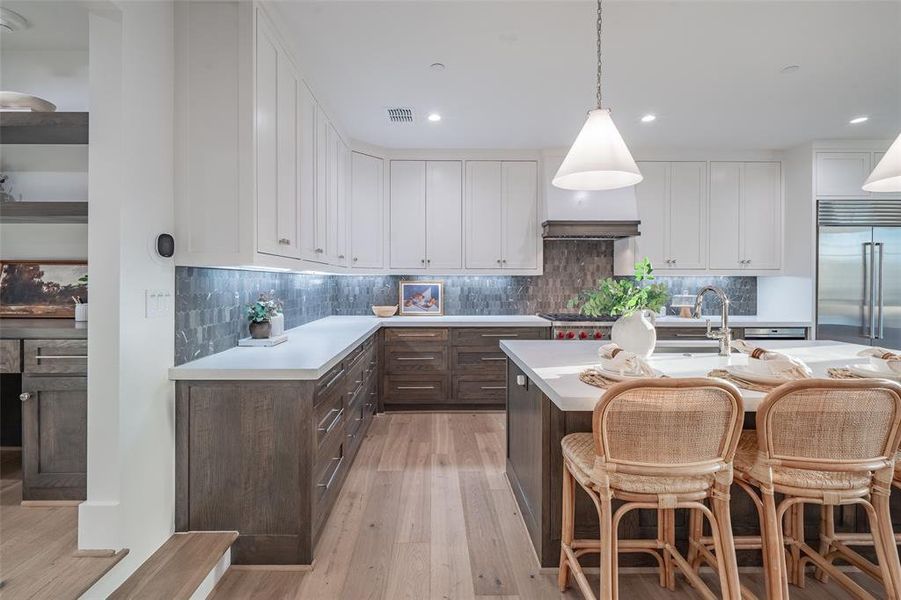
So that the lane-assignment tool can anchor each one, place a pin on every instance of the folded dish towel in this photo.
(613, 358)
(779, 364)
(892, 359)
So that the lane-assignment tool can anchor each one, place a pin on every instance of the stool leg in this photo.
(773, 549)
(566, 538)
(695, 533)
(608, 551)
(886, 549)
(827, 535)
(726, 558)
(796, 514)
(666, 534)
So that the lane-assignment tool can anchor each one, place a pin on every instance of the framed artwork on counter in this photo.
(421, 298)
(40, 289)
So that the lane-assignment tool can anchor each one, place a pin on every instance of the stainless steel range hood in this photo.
(589, 230)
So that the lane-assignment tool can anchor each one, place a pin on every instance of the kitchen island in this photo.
(546, 401)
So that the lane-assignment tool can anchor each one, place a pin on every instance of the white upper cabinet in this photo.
(310, 233)
(484, 214)
(502, 215)
(407, 210)
(367, 231)
(672, 205)
(520, 219)
(841, 174)
(745, 216)
(267, 122)
(444, 214)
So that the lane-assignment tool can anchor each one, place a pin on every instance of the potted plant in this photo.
(634, 301)
(260, 315)
(277, 319)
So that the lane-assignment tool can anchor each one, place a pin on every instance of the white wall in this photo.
(59, 76)
(131, 433)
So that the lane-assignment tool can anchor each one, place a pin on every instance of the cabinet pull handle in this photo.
(498, 261)
(487, 359)
(415, 358)
(284, 241)
(333, 380)
(406, 335)
(504, 261)
(499, 335)
(61, 357)
(494, 387)
(416, 387)
(331, 479)
(25, 397)
(334, 422)
(356, 259)
(340, 256)
(691, 335)
(318, 250)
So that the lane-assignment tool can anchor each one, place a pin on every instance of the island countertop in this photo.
(554, 366)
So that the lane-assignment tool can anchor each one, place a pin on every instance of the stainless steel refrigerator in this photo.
(859, 272)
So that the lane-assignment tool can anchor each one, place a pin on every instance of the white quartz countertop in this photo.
(736, 321)
(314, 348)
(554, 366)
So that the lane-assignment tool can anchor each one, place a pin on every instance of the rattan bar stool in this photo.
(658, 444)
(834, 545)
(818, 441)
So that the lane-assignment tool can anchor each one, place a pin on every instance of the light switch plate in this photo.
(157, 303)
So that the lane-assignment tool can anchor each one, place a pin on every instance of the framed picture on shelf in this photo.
(421, 298)
(42, 288)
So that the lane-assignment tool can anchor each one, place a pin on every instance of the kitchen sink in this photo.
(687, 348)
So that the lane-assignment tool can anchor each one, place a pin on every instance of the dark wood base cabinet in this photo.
(535, 427)
(448, 368)
(268, 458)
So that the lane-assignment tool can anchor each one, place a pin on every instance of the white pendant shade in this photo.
(886, 177)
(598, 159)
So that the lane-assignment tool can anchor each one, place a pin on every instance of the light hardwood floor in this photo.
(426, 512)
(38, 545)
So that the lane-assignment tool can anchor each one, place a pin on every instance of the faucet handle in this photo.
(709, 332)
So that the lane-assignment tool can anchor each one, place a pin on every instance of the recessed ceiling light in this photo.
(437, 66)
(789, 69)
(648, 118)
(858, 120)
(434, 117)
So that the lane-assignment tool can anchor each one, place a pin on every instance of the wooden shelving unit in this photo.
(44, 212)
(43, 128)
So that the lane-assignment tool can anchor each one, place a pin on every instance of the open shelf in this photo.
(43, 128)
(44, 212)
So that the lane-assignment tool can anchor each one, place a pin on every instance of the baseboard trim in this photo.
(274, 567)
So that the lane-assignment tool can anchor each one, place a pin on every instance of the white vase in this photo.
(635, 333)
(278, 324)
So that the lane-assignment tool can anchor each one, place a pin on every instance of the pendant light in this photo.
(599, 158)
(886, 177)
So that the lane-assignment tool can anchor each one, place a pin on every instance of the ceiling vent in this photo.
(402, 116)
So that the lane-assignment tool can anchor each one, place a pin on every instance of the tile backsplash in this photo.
(209, 312)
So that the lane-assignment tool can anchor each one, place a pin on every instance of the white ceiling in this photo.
(52, 25)
(520, 74)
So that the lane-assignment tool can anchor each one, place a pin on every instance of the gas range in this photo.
(573, 326)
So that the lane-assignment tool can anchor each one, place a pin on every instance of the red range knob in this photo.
(583, 335)
(598, 335)
(560, 335)
(570, 335)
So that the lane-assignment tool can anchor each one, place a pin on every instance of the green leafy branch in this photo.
(623, 297)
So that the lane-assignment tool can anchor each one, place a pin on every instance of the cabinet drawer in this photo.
(354, 377)
(51, 357)
(478, 361)
(10, 356)
(329, 417)
(421, 390)
(490, 336)
(422, 360)
(415, 334)
(329, 382)
(489, 391)
(327, 475)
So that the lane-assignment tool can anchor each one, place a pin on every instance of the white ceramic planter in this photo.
(635, 333)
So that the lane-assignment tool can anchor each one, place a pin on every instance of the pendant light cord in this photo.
(600, 24)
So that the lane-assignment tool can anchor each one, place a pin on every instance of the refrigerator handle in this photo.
(878, 297)
(867, 318)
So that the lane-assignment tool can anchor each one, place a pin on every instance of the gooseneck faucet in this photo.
(723, 334)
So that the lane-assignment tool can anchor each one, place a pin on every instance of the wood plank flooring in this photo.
(426, 513)
(38, 545)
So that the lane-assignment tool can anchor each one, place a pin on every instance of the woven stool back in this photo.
(668, 426)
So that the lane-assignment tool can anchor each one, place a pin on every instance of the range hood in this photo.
(589, 230)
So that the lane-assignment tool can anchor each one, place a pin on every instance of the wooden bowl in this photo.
(384, 311)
